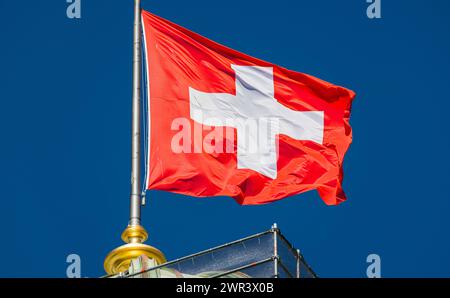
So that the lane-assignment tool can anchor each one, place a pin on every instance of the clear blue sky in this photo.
(65, 91)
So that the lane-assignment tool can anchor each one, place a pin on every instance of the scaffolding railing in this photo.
(264, 255)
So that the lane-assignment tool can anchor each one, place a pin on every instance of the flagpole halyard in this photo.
(135, 234)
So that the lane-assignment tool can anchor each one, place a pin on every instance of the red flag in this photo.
(222, 123)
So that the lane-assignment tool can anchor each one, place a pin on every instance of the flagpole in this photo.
(135, 234)
(135, 197)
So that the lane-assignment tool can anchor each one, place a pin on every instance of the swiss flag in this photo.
(222, 123)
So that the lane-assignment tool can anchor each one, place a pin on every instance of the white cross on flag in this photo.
(222, 123)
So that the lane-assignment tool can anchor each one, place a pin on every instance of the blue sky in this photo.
(65, 91)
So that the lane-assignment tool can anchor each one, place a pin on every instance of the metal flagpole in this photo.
(134, 235)
(135, 198)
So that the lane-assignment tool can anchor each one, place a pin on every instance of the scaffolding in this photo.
(264, 255)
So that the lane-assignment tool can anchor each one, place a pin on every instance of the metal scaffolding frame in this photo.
(302, 269)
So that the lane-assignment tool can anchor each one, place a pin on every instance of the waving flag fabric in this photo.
(222, 123)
